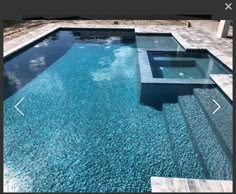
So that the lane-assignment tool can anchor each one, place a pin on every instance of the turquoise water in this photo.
(185, 65)
(84, 129)
(158, 42)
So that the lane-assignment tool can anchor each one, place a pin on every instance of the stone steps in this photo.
(222, 120)
(188, 161)
(206, 141)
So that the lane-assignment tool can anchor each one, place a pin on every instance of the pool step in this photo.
(189, 163)
(164, 184)
(211, 151)
(222, 120)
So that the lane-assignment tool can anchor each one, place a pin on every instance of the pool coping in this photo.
(167, 184)
(224, 82)
(15, 46)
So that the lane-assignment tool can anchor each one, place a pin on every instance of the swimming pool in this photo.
(85, 130)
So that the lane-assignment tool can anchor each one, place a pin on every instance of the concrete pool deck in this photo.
(188, 37)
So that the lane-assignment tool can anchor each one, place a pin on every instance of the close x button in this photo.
(228, 6)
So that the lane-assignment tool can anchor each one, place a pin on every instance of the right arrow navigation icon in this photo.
(218, 106)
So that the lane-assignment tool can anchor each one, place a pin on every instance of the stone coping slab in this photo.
(165, 184)
(225, 82)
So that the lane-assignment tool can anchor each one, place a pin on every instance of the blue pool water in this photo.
(185, 65)
(85, 130)
(161, 42)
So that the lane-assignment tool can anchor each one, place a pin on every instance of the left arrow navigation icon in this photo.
(17, 104)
